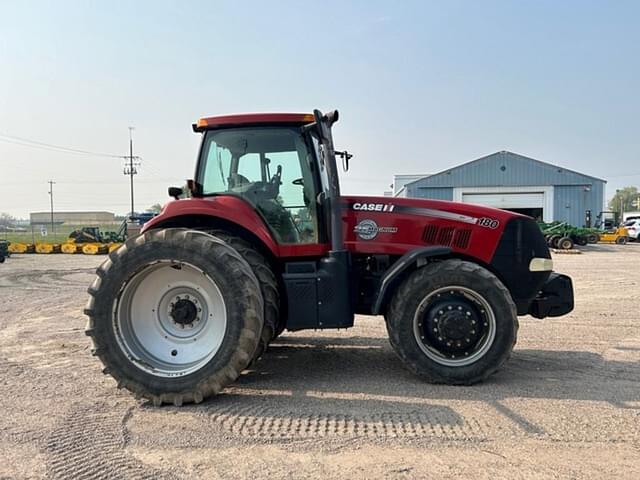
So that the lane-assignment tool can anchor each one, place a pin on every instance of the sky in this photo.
(420, 86)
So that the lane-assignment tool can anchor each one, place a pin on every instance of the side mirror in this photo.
(194, 188)
(175, 192)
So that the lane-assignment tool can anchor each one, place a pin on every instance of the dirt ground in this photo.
(335, 404)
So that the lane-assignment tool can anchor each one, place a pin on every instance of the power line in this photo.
(26, 142)
(131, 168)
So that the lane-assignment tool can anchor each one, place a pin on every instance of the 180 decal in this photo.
(488, 222)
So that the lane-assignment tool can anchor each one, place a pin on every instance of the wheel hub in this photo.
(453, 325)
(171, 320)
(184, 311)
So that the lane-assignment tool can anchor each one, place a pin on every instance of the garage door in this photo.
(506, 200)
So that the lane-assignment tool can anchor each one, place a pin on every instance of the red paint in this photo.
(253, 119)
(411, 226)
(226, 207)
(409, 234)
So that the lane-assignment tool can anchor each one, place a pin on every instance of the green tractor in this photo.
(563, 236)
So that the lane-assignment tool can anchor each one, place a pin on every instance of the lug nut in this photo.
(459, 308)
(450, 307)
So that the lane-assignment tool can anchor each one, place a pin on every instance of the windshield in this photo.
(270, 168)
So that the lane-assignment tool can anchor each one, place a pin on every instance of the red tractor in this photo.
(267, 243)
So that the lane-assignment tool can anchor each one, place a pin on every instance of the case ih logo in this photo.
(374, 207)
(368, 229)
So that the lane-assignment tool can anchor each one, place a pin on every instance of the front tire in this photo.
(175, 315)
(452, 322)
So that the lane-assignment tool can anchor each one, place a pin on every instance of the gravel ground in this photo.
(335, 404)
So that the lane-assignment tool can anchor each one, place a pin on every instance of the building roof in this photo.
(504, 152)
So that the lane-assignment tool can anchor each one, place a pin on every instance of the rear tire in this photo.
(621, 240)
(160, 294)
(273, 324)
(452, 322)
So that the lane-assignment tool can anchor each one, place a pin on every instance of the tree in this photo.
(6, 220)
(627, 198)
(155, 208)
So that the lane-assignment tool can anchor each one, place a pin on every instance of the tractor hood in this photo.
(397, 225)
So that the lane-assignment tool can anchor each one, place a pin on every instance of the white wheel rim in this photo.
(151, 333)
(486, 320)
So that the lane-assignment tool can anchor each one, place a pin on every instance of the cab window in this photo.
(269, 168)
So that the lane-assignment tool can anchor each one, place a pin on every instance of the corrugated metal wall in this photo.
(571, 202)
(573, 192)
(434, 193)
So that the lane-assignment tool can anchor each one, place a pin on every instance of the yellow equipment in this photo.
(22, 248)
(71, 248)
(114, 246)
(47, 248)
(620, 236)
(95, 248)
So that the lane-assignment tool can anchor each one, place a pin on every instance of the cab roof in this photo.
(241, 119)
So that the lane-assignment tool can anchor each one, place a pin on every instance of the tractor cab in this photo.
(282, 164)
(270, 168)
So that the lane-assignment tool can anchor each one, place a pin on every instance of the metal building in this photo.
(518, 183)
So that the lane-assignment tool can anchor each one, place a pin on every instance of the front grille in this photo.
(462, 238)
(430, 234)
(447, 236)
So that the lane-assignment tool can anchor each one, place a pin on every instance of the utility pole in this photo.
(130, 169)
(51, 184)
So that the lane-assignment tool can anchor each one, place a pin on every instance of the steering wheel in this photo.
(298, 181)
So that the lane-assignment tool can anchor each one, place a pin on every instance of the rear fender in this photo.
(225, 212)
(405, 264)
